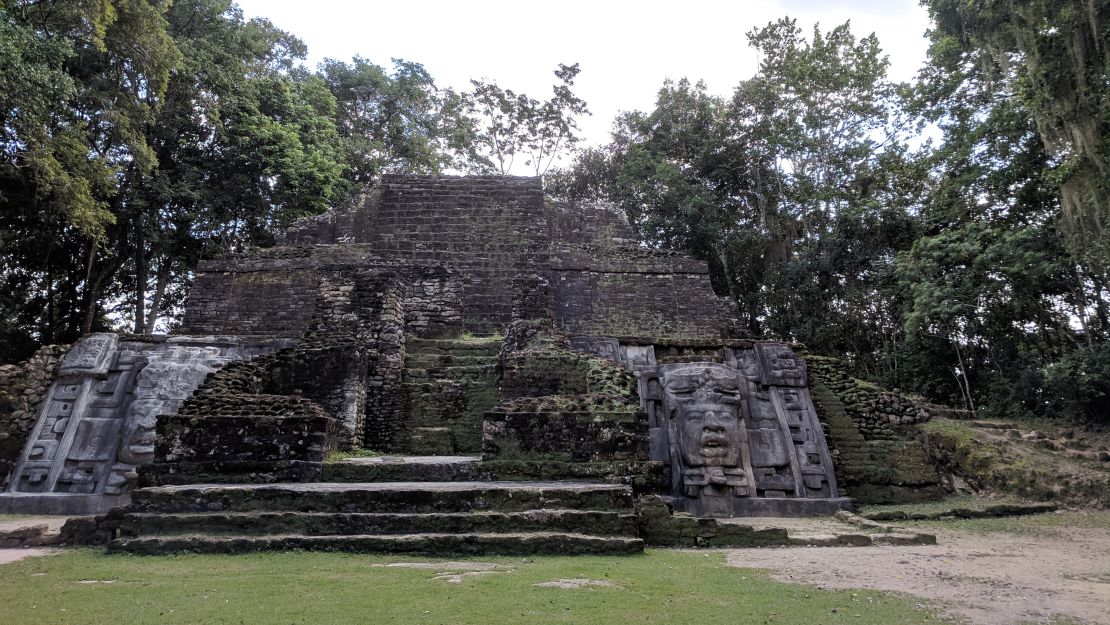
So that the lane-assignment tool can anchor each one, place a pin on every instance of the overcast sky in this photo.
(626, 48)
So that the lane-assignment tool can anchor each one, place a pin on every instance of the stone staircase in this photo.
(505, 518)
(435, 501)
(448, 385)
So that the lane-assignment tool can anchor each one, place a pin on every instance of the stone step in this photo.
(435, 386)
(427, 414)
(484, 373)
(647, 475)
(412, 497)
(435, 468)
(485, 346)
(528, 543)
(594, 522)
(427, 439)
(438, 359)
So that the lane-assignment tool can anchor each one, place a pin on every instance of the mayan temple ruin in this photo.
(452, 365)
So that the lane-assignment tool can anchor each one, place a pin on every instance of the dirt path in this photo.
(15, 555)
(991, 579)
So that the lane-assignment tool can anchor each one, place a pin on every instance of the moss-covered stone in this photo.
(877, 452)
(659, 526)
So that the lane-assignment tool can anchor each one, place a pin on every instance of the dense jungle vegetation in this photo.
(947, 237)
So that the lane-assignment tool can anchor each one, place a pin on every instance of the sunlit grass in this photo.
(665, 587)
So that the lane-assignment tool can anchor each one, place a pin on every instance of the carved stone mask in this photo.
(709, 435)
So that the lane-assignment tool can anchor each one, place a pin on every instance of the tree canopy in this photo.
(972, 270)
(138, 136)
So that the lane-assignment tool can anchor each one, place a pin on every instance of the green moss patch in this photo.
(991, 463)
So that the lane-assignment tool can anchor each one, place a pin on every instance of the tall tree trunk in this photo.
(140, 276)
(160, 285)
(91, 295)
(965, 388)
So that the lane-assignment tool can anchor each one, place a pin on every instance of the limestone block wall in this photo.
(877, 454)
(485, 227)
(484, 230)
(628, 291)
(433, 303)
(242, 425)
(265, 291)
(248, 297)
(584, 223)
(22, 387)
(385, 397)
(565, 406)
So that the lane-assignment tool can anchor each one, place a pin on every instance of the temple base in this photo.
(767, 506)
(59, 503)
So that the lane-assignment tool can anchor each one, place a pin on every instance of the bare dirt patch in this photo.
(15, 555)
(999, 578)
(442, 566)
(577, 583)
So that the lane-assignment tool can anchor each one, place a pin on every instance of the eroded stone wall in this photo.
(483, 231)
(244, 425)
(22, 387)
(433, 303)
(876, 450)
(97, 421)
(487, 228)
(627, 291)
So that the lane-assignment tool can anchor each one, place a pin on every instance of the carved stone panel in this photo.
(97, 422)
(740, 436)
(707, 437)
(638, 357)
(601, 346)
(91, 356)
(780, 366)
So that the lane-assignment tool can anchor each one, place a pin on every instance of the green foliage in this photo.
(509, 124)
(996, 276)
(397, 122)
(140, 134)
(1051, 57)
(790, 190)
(1078, 384)
(944, 269)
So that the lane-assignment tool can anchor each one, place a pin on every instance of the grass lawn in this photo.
(86, 587)
(1033, 525)
(944, 505)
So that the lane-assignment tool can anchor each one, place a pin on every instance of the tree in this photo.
(997, 282)
(397, 122)
(797, 190)
(511, 123)
(1053, 57)
(99, 72)
(245, 143)
(143, 134)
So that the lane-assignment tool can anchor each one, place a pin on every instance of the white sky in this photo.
(626, 47)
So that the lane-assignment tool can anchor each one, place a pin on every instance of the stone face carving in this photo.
(741, 437)
(710, 441)
(707, 439)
